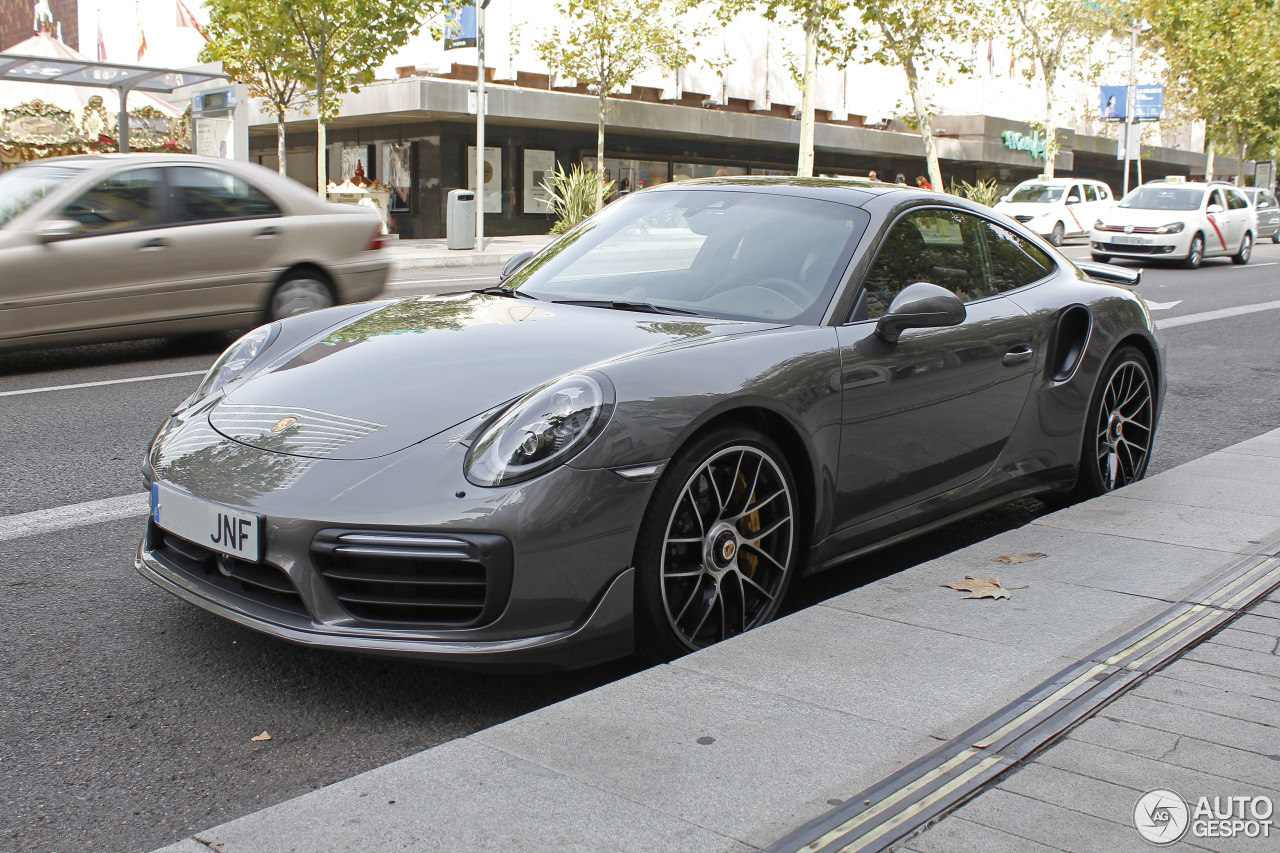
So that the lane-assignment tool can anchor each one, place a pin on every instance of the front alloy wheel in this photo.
(1058, 234)
(1122, 424)
(1196, 255)
(718, 545)
(1246, 250)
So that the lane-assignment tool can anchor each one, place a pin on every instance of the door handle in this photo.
(154, 245)
(267, 233)
(1017, 355)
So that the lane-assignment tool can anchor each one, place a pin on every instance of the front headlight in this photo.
(543, 430)
(1171, 228)
(233, 363)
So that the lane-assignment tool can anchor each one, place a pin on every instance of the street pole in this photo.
(480, 5)
(1131, 99)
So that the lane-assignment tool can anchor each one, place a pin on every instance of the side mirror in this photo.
(1213, 208)
(53, 230)
(514, 264)
(1111, 274)
(920, 306)
(1004, 198)
(1073, 199)
(1263, 204)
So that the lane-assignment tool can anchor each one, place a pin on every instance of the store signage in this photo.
(1034, 143)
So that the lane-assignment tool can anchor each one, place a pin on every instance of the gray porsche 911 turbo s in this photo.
(640, 438)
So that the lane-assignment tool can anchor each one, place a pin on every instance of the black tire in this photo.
(1058, 234)
(299, 292)
(1101, 259)
(1275, 238)
(1195, 256)
(692, 552)
(1246, 250)
(1120, 426)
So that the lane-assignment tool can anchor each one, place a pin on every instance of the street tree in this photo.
(1056, 36)
(605, 44)
(253, 41)
(343, 44)
(820, 21)
(927, 40)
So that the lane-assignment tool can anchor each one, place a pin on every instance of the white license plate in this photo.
(1126, 240)
(219, 528)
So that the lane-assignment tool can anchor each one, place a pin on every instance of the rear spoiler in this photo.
(1111, 274)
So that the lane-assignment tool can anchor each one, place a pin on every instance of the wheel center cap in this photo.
(1115, 428)
(724, 547)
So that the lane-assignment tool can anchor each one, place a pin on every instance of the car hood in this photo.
(1009, 208)
(1152, 218)
(417, 367)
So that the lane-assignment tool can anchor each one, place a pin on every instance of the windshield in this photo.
(719, 253)
(1164, 198)
(22, 187)
(1036, 194)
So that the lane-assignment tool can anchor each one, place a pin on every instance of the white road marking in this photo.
(1189, 319)
(73, 515)
(1268, 264)
(102, 382)
(1162, 306)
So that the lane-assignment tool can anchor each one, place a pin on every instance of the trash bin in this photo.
(460, 220)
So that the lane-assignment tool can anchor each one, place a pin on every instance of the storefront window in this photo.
(631, 175)
(784, 173)
(685, 171)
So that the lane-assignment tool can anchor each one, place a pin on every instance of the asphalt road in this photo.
(126, 716)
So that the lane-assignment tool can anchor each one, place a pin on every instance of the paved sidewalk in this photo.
(435, 254)
(736, 746)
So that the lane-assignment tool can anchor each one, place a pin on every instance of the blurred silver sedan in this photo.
(109, 247)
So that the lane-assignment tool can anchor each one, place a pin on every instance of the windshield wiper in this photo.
(625, 305)
(499, 290)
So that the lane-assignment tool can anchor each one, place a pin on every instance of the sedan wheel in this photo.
(1196, 255)
(1121, 423)
(1058, 234)
(718, 545)
(1275, 238)
(298, 295)
(1246, 250)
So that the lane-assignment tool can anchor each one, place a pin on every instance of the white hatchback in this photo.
(1176, 220)
(1057, 208)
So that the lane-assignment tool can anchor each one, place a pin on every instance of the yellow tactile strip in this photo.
(939, 782)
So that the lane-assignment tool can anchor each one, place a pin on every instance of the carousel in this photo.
(55, 102)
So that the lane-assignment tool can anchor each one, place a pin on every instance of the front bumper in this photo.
(562, 598)
(1152, 245)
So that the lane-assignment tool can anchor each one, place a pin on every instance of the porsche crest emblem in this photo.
(284, 424)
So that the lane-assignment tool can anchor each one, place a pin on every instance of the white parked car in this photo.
(1057, 208)
(1177, 220)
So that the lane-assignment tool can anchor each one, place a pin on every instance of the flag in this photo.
(991, 58)
(1013, 59)
(142, 41)
(102, 45)
(186, 19)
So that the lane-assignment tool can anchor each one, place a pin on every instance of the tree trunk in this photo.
(600, 144)
(1050, 129)
(322, 165)
(804, 168)
(925, 123)
(280, 141)
(1238, 150)
(1208, 159)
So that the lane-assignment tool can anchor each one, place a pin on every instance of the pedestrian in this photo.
(923, 183)
(872, 176)
(900, 179)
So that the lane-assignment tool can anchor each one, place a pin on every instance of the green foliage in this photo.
(983, 192)
(573, 196)
(252, 40)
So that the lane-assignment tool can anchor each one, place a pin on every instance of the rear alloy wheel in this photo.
(1120, 427)
(298, 294)
(1275, 238)
(718, 545)
(1246, 250)
(1058, 234)
(1196, 255)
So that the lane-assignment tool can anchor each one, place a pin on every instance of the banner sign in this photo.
(1115, 102)
(1148, 102)
(460, 27)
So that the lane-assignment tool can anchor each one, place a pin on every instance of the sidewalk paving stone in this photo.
(1225, 703)
(1181, 720)
(1256, 684)
(1261, 470)
(820, 656)
(462, 795)
(1268, 609)
(1197, 527)
(1263, 445)
(957, 835)
(1259, 625)
(1211, 490)
(655, 720)
(1258, 658)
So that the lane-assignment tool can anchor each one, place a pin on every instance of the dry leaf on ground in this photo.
(260, 738)
(981, 587)
(1021, 558)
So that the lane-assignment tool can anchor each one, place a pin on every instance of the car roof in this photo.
(1058, 182)
(853, 191)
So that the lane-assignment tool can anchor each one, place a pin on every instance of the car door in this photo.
(228, 233)
(1219, 238)
(1243, 218)
(105, 271)
(932, 411)
(1075, 210)
(1268, 213)
(1090, 209)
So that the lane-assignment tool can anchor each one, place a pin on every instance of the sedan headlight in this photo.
(1171, 228)
(233, 363)
(544, 429)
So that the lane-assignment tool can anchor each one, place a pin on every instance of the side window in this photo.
(123, 202)
(1014, 261)
(1090, 192)
(940, 247)
(1216, 198)
(1236, 200)
(1268, 198)
(207, 195)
